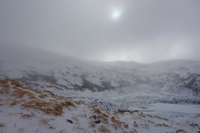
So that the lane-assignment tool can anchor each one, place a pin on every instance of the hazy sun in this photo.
(116, 14)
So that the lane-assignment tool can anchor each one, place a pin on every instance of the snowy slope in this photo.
(37, 67)
(108, 85)
(24, 109)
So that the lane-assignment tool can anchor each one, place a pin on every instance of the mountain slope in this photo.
(24, 109)
(108, 85)
(33, 66)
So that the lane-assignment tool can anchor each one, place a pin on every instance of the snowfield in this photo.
(24, 109)
(165, 94)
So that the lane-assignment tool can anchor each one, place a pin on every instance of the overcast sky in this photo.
(137, 30)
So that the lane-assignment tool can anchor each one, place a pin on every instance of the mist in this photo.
(142, 31)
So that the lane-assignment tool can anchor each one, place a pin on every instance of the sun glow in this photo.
(116, 14)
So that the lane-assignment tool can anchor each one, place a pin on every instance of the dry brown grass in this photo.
(61, 131)
(134, 111)
(48, 92)
(44, 121)
(92, 124)
(141, 114)
(25, 116)
(4, 83)
(48, 107)
(2, 124)
(161, 125)
(15, 83)
(149, 115)
(79, 128)
(193, 125)
(4, 89)
(96, 110)
(67, 104)
(161, 118)
(35, 103)
(103, 117)
(151, 122)
(14, 103)
(180, 131)
(118, 112)
(126, 126)
(117, 123)
(45, 106)
(42, 96)
(104, 129)
(19, 93)
(45, 101)
(32, 90)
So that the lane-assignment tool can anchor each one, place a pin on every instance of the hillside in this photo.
(24, 109)
(124, 84)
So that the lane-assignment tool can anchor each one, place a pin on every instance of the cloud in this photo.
(146, 31)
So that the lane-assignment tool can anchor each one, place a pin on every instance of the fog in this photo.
(108, 30)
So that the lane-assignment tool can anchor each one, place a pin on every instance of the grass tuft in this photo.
(92, 124)
(180, 131)
(142, 114)
(96, 110)
(104, 129)
(134, 111)
(27, 116)
(161, 118)
(28, 97)
(44, 121)
(2, 124)
(61, 131)
(161, 125)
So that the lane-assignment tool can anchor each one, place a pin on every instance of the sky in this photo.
(108, 30)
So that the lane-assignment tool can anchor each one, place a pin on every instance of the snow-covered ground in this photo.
(169, 89)
(24, 109)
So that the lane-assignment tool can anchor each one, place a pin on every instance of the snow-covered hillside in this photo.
(167, 89)
(24, 109)
(121, 83)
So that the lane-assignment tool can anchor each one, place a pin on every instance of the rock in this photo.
(70, 121)
(52, 127)
(97, 121)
